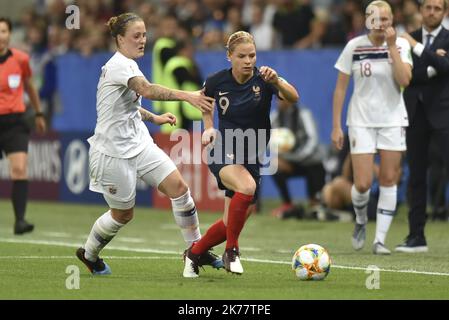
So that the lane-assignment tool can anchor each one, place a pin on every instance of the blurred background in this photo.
(301, 39)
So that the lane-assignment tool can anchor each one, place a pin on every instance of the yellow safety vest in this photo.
(170, 81)
(157, 67)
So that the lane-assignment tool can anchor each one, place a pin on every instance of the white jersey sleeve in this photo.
(120, 74)
(120, 131)
(344, 62)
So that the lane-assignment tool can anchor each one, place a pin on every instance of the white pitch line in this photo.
(131, 240)
(74, 245)
(73, 257)
(57, 234)
(356, 268)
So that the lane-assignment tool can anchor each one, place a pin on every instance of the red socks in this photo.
(215, 235)
(218, 232)
(236, 218)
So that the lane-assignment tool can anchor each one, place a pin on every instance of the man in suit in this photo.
(427, 101)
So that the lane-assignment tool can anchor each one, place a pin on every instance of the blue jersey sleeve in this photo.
(209, 86)
(273, 90)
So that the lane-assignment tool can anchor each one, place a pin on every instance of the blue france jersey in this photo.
(241, 106)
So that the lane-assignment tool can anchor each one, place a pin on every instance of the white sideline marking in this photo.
(57, 234)
(74, 245)
(250, 249)
(356, 268)
(130, 240)
(168, 243)
(74, 257)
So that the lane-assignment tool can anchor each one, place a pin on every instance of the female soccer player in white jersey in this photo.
(381, 65)
(122, 149)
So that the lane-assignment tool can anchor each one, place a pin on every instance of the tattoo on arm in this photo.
(161, 93)
(146, 115)
(152, 91)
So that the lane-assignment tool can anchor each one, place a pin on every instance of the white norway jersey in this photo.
(377, 99)
(120, 131)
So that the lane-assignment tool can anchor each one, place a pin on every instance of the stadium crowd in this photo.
(275, 24)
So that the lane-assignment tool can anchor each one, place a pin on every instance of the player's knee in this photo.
(18, 171)
(389, 178)
(179, 189)
(123, 216)
(248, 187)
(362, 186)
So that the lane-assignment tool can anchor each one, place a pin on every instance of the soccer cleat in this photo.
(22, 226)
(98, 267)
(210, 259)
(379, 248)
(231, 260)
(280, 210)
(413, 245)
(359, 236)
(191, 264)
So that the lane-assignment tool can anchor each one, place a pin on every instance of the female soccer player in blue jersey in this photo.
(243, 95)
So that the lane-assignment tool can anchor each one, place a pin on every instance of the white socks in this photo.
(103, 230)
(360, 204)
(386, 209)
(186, 218)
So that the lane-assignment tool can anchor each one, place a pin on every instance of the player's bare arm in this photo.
(157, 119)
(339, 98)
(30, 89)
(402, 71)
(286, 90)
(157, 92)
(209, 133)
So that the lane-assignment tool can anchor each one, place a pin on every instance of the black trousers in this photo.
(315, 178)
(420, 133)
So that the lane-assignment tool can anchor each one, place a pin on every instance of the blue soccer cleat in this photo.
(98, 267)
(210, 259)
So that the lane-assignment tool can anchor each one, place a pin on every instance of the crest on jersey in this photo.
(112, 189)
(256, 90)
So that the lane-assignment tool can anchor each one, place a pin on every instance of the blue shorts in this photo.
(253, 169)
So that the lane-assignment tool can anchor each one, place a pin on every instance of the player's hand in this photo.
(337, 138)
(269, 75)
(209, 136)
(41, 126)
(390, 36)
(164, 118)
(200, 101)
(441, 52)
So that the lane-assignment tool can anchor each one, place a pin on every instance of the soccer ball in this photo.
(311, 262)
(283, 139)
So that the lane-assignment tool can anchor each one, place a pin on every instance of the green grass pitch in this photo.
(146, 259)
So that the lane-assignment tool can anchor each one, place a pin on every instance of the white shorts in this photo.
(116, 178)
(369, 140)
